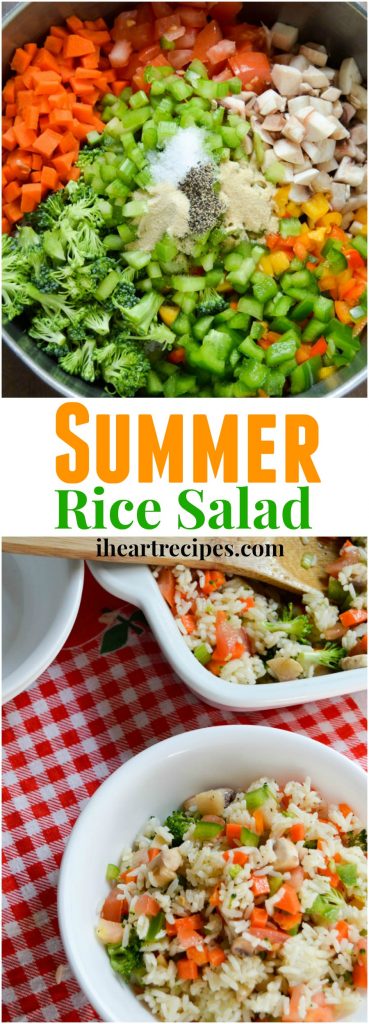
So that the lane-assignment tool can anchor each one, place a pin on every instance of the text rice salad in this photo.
(243, 907)
(248, 636)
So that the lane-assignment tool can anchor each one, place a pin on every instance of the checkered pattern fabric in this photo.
(86, 715)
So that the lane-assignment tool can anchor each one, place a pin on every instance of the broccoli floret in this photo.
(178, 824)
(211, 303)
(100, 268)
(128, 960)
(161, 335)
(72, 362)
(329, 656)
(48, 212)
(124, 296)
(296, 626)
(15, 279)
(50, 329)
(143, 312)
(355, 839)
(97, 320)
(126, 368)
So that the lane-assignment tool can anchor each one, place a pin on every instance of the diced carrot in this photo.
(342, 928)
(260, 885)
(216, 956)
(239, 857)
(5, 226)
(192, 921)
(77, 46)
(9, 91)
(288, 899)
(259, 821)
(13, 211)
(187, 970)
(20, 61)
(359, 975)
(46, 143)
(10, 110)
(213, 580)
(233, 830)
(214, 898)
(35, 175)
(54, 45)
(58, 30)
(286, 921)
(12, 192)
(297, 832)
(31, 196)
(74, 23)
(153, 852)
(170, 928)
(167, 586)
(61, 117)
(146, 904)
(49, 177)
(25, 136)
(199, 954)
(258, 917)
(67, 141)
(64, 163)
(353, 617)
(30, 117)
(9, 139)
(345, 810)
(188, 938)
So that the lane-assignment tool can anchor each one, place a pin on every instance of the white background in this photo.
(339, 504)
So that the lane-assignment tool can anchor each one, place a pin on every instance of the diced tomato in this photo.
(120, 54)
(115, 908)
(167, 586)
(260, 885)
(273, 935)
(140, 35)
(349, 556)
(252, 68)
(187, 41)
(226, 12)
(361, 647)
(187, 939)
(147, 905)
(192, 16)
(163, 25)
(221, 51)
(208, 37)
(228, 640)
(355, 261)
(179, 58)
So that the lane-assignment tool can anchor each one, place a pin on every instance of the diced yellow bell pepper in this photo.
(316, 207)
(280, 261)
(304, 228)
(281, 197)
(318, 235)
(224, 286)
(330, 218)
(168, 314)
(361, 215)
(293, 209)
(266, 265)
(326, 371)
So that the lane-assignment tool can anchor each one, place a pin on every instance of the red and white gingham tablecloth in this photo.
(86, 715)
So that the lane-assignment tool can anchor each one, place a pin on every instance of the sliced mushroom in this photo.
(289, 151)
(275, 123)
(349, 74)
(269, 102)
(359, 97)
(299, 62)
(211, 801)
(350, 173)
(318, 127)
(286, 855)
(328, 165)
(315, 54)
(354, 661)
(359, 134)
(284, 669)
(305, 177)
(293, 129)
(245, 947)
(332, 94)
(315, 77)
(283, 36)
(109, 932)
(298, 193)
(320, 151)
(348, 113)
(286, 79)
(164, 867)
(339, 196)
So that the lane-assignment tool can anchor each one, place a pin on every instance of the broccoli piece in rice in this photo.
(356, 839)
(178, 823)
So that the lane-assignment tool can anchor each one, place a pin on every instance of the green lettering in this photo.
(193, 510)
(65, 510)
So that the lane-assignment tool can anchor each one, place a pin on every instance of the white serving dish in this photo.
(155, 782)
(41, 598)
(137, 585)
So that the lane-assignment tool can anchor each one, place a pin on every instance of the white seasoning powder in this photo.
(183, 151)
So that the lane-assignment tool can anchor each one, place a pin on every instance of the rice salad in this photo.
(246, 635)
(243, 906)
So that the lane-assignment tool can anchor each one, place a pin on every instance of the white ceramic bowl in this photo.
(155, 782)
(137, 584)
(41, 598)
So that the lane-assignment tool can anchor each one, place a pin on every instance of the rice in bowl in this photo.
(243, 907)
(247, 635)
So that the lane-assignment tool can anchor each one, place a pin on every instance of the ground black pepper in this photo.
(205, 206)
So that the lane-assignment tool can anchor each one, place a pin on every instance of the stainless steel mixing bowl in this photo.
(342, 29)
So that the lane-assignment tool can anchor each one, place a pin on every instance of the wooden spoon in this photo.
(282, 570)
